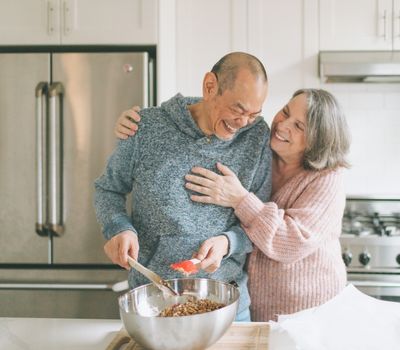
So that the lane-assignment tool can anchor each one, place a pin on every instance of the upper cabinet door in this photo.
(109, 22)
(29, 22)
(54, 22)
(396, 25)
(356, 24)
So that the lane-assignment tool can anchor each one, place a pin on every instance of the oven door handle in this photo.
(375, 284)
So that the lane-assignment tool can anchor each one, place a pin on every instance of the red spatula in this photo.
(187, 267)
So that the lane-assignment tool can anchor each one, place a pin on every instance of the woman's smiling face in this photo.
(288, 130)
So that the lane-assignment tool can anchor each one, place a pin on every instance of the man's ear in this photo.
(210, 86)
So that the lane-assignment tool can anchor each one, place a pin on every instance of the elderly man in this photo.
(165, 225)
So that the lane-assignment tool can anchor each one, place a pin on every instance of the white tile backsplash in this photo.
(392, 101)
(373, 115)
(366, 101)
(375, 148)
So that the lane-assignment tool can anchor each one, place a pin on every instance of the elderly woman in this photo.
(296, 261)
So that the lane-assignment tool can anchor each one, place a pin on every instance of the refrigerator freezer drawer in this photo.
(58, 286)
(58, 303)
(69, 292)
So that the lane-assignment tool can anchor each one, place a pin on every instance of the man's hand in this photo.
(126, 124)
(211, 253)
(120, 246)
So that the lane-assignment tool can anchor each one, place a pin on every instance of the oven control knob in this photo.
(347, 257)
(364, 258)
(398, 259)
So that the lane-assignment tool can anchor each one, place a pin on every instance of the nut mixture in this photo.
(191, 307)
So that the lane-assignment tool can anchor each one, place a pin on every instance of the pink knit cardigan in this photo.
(296, 262)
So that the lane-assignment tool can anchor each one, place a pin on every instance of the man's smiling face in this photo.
(237, 107)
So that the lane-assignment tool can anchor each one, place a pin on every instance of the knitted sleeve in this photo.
(112, 187)
(291, 234)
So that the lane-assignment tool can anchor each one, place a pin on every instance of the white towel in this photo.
(350, 321)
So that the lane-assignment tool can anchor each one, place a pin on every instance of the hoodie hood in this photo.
(179, 114)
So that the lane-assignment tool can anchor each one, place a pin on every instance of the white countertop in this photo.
(56, 334)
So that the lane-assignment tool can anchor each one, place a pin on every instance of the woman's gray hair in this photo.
(327, 133)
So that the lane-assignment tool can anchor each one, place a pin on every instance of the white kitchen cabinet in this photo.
(203, 36)
(29, 22)
(396, 24)
(193, 38)
(70, 22)
(359, 24)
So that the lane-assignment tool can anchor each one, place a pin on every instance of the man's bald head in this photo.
(227, 68)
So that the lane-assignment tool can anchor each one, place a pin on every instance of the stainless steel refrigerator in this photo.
(57, 114)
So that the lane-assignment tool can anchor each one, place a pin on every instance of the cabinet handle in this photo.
(66, 14)
(384, 19)
(50, 17)
(398, 23)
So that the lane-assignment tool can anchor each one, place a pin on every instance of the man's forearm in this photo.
(111, 212)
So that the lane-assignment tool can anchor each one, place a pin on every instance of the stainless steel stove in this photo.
(371, 246)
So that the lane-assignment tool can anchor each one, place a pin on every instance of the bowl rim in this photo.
(123, 296)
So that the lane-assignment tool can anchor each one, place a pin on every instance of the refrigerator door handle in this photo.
(151, 100)
(40, 98)
(145, 83)
(55, 217)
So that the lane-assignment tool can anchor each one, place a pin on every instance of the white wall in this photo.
(208, 29)
(284, 35)
(373, 114)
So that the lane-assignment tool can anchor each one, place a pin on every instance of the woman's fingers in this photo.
(202, 199)
(128, 123)
(205, 173)
(122, 130)
(136, 109)
(133, 113)
(224, 169)
(198, 189)
(199, 180)
(128, 126)
(125, 127)
(121, 135)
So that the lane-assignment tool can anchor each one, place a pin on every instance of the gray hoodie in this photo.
(170, 226)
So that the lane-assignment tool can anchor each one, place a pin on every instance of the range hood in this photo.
(359, 66)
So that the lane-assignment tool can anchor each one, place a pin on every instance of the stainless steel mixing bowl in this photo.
(140, 306)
